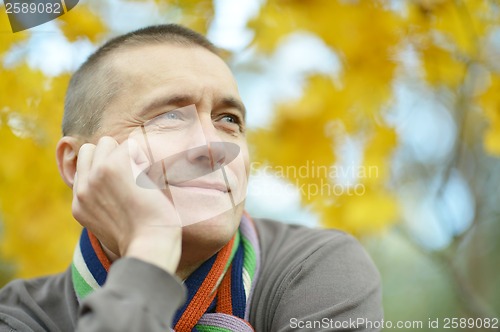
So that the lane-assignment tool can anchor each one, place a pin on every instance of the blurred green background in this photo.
(381, 118)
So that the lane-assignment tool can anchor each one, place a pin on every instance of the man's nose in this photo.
(213, 152)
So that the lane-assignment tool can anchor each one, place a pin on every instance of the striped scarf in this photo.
(219, 291)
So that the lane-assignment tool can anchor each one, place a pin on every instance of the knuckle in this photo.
(106, 140)
(76, 210)
(86, 147)
(101, 173)
(81, 194)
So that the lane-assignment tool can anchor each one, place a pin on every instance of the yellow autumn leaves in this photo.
(82, 22)
(35, 204)
(38, 231)
(365, 35)
(447, 37)
(490, 102)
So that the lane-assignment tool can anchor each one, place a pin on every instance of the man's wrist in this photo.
(160, 250)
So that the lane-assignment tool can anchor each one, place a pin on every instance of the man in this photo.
(154, 150)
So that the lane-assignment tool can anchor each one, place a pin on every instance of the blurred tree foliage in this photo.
(449, 38)
(454, 47)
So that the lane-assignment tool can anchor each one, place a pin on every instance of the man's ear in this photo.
(67, 155)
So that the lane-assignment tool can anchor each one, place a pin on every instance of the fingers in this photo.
(84, 163)
(80, 185)
(97, 163)
(104, 148)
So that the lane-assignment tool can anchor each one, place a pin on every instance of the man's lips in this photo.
(217, 186)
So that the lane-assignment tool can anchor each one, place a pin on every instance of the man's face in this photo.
(182, 107)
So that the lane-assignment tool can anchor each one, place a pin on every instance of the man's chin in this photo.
(225, 219)
(203, 239)
(218, 229)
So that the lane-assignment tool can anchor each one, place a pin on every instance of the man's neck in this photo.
(185, 269)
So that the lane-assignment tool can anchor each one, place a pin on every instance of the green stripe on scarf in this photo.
(82, 288)
(237, 240)
(207, 328)
(249, 263)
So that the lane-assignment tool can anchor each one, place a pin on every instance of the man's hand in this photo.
(127, 219)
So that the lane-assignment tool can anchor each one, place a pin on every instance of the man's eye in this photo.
(169, 117)
(230, 119)
(230, 123)
(173, 115)
(166, 120)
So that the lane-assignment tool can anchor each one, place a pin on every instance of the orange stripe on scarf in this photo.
(96, 245)
(206, 293)
(224, 296)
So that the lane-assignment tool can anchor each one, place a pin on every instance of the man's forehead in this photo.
(166, 62)
(130, 56)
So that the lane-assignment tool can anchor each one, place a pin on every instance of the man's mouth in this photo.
(203, 186)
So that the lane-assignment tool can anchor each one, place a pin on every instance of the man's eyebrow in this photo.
(185, 99)
(175, 100)
(231, 102)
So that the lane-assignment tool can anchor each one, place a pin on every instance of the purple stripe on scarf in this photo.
(229, 322)
(249, 231)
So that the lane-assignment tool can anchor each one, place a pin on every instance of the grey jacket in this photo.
(310, 280)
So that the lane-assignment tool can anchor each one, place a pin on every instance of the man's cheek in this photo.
(239, 169)
(164, 145)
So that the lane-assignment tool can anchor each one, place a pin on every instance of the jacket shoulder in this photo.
(312, 274)
(47, 302)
